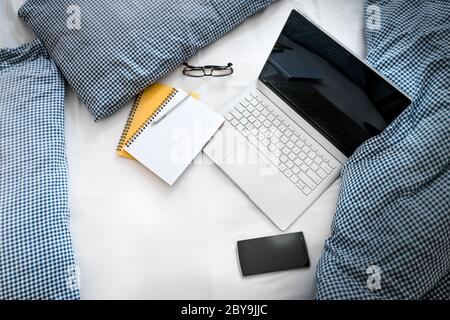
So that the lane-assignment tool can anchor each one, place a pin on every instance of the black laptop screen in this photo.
(328, 86)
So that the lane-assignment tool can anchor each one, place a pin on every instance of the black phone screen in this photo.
(275, 253)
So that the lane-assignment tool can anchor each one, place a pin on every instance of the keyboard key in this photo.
(300, 184)
(259, 107)
(286, 150)
(311, 154)
(250, 108)
(267, 123)
(229, 116)
(245, 103)
(294, 178)
(302, 155)
(289, 164)
(275, 133)
(306, 191)
(282, 128)
(260, 136)
(314, 166)
(314, 176)
(306, 149)
(307, 180)
(244, 121)
(236, 114)
(251, 118)
(294, 138)
(304, 167)
(246, 114)
(298, 162)
(257, 124)
(288, 173)
(277, 152)
(240, 108)
(288, 133)
(292, 156)
(308, 161)
(321, 173)
(295, 169)
(254, 102)
(282, 167)
(326, 167)
(317, 160)
(270, 117)
(265, 112)
(256, 113)
(283, 158)
(249, 126)
(276, 122)
(240, 127)
(234, 122)
(296, 150)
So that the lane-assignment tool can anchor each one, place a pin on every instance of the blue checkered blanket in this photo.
(36, 255)
(390, 235)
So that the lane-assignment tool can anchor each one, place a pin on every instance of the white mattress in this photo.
(137, 238)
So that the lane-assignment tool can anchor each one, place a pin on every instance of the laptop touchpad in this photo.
(247, 169)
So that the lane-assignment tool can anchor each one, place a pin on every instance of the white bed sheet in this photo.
(137, 238)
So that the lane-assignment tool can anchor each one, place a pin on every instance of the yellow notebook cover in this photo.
(146, 104)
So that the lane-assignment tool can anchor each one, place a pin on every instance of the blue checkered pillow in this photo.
(109, 51)
(390, 235)
(36, 256)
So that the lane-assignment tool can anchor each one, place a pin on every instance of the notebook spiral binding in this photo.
(128, 123)
(150, 119)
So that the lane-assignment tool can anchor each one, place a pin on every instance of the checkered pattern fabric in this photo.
(109, 51)
(36, 256)
(390, 234)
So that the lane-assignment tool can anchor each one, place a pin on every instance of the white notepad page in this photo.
(169, 146)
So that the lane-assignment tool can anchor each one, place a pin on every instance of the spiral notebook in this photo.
(168, 145)
(145, 105)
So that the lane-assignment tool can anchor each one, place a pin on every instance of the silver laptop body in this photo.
(280, 159)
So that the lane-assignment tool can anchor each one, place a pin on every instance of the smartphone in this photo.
(275, 253)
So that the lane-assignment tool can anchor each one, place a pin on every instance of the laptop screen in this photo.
(328, 86)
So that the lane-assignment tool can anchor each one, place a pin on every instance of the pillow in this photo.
(389, 237)
(109, 51)
(36, 255)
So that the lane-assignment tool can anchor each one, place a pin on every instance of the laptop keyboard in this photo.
(294, 153)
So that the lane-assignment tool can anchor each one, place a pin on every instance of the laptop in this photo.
(287, 137)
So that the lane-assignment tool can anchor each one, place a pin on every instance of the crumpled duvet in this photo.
(390, 236)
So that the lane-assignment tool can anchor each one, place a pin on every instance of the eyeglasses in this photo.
(207, 71)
